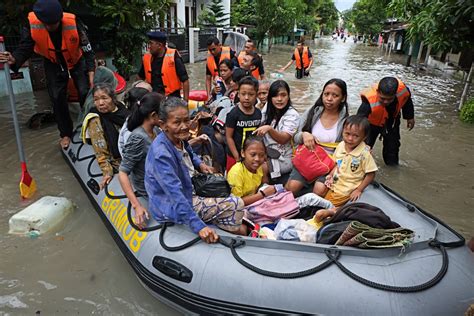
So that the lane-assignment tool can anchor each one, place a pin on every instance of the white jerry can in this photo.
(41, 216)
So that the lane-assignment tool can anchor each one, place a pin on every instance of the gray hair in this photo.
(107, 88)
(264, 82)
(169, 105)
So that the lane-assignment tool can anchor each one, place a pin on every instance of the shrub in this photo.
(467, 112)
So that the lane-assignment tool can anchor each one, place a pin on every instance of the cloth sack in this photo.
(312, 164)
(271, 208)
(295, 230)
(210, 185)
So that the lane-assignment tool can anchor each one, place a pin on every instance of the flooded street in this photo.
(79, 269)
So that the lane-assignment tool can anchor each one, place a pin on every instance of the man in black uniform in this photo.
(164, 68)
(382, 105)
(72, 59)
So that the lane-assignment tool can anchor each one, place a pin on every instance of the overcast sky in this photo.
(342, 5)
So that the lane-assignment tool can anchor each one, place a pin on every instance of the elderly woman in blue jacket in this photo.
(170, 164)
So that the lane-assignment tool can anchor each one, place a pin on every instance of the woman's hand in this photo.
(105, 180)
(355, 195)
(141, 216)
(308, 141)
(208, 235)
(262, 130)
(205, 168)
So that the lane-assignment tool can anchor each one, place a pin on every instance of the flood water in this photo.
(78, 269)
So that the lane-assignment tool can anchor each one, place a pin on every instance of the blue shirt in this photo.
(169, 185)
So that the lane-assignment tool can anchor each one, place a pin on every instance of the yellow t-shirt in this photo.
(351, 167)
(242, 181)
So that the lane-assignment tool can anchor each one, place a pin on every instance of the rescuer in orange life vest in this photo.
(304, 60)
(215, 54)
(382, 105)
(163, 68)
(62, 40)
(250, 49)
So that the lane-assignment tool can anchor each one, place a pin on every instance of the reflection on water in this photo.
(80, 269)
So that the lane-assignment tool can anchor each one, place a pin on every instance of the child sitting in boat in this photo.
(242, 120)
(247, 175)
(355, 167)
(170, 163)
(143, 124)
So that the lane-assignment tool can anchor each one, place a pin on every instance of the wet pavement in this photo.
(79, 269)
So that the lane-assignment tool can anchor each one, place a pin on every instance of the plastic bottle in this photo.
(220, 84)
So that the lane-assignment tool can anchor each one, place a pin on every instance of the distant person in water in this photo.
(304, 60)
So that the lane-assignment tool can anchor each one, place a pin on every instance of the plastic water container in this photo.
(276, 75)
(220, 83)
(41, 216)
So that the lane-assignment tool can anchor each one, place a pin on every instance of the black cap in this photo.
(157, 36)
(48, 11)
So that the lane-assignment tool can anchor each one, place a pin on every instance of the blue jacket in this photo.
(169, 185)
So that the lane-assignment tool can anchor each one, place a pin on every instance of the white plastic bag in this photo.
(295, 230)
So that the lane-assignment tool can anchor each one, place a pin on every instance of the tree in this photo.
(214, 15)
(367, 16)
(276, 17)
(319, 15)
(127, 24)
(242, 12)
(443, 24)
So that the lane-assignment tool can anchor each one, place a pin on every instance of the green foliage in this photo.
(126, 25)
(242, 12)
(467, 112)
(277, 17)
(14, 15)
(213, 16)
(443, 24)
(367, 16)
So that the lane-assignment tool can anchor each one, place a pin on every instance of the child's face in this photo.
(176, 126)
(263, 93)
(254, 156)
(353, 135)
(332, 97)
(247, 96)
(225, 72)
(281, 99)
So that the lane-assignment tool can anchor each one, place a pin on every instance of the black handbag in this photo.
(211, 185)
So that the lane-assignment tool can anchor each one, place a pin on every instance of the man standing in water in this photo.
(215, 54)
(382, 105)
(164, 68)
(304, 60)
(62, 40)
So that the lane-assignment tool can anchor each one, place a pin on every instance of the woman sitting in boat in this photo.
(280, 122)
(222, 83)
(170, 163)
(101, 126)
(321, 124)
(131, 98)
(143, 122)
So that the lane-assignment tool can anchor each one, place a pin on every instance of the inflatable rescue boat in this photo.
(243, 275)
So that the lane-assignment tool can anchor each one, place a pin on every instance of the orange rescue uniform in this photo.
(211, 63)
(170, 78)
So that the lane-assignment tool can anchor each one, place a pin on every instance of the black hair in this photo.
(300, 41)
(227, 62)
(249, 80)
(169, 105)
(251, 139)
(272, 112)
(212, 40)
(237, 74)
(251, 42)
(132, 96)
(148, 104)
(358, 120)
(388, 86)
(319, 102)
(256, 59)
(107, 88)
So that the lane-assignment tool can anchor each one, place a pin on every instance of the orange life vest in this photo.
(305, 58)
(169, 76)
(70, 39)
(379, 115)
(255, 72)
(211, 63)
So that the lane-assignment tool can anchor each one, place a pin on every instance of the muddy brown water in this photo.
(78, 269)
